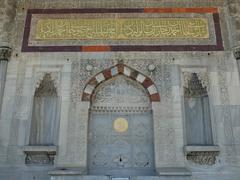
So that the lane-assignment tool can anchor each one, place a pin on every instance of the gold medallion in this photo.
(120, 125)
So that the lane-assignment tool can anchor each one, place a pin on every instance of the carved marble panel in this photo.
(117, 153)
(127, 148)
(201, 75)
(120, 92)
(203, 157)
(39, 158)
(39, 155)
(162, 74)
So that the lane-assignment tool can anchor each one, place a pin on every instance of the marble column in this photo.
(5, 54)
(234, 12)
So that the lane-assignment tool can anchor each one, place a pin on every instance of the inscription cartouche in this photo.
(121, 28)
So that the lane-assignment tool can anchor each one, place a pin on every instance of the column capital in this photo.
(236, 52)
(5, 53)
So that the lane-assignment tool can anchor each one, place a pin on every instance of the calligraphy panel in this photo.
(121, 28)
(138, 29)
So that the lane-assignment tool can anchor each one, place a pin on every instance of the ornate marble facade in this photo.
(142, 82)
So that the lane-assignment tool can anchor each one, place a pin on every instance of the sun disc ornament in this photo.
(120, 125)
(151, 67)
(89, 67)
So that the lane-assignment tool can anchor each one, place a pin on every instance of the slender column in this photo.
(234, 12)
(5, 53)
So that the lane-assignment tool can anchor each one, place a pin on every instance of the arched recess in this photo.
(120, 127)
(121, 69)
(45, 113)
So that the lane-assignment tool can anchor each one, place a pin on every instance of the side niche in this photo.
(200, 148)
(41, 147)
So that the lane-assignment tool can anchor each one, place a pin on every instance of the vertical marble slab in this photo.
(3, 71)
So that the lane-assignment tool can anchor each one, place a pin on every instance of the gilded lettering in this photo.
(121, 28)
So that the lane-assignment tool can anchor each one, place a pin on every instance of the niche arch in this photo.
(121, 125)
(121, 69)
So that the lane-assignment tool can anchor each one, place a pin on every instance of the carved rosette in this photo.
(203, 157)
(236, 53)
(5, 53)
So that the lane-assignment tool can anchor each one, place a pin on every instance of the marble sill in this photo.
(188, 149)
(67, 172)
(47, 149)
(173, 171)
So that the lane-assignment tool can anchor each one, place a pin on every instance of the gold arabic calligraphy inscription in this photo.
(121, 28)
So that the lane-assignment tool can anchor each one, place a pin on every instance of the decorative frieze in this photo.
(40, 158)
(203, 157)
(5, 53)
(126, 109)
(39, 155)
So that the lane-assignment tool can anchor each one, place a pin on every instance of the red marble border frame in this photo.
(103, 48)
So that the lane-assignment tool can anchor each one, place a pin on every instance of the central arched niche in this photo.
(120, 135)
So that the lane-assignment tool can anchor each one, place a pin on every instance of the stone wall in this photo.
(70, 72)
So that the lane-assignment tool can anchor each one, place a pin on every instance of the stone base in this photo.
(41, 173)
(79, 177)
(177, 171)
(114, 178)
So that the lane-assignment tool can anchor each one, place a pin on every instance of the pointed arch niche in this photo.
(45, 113)
(121, 69)
(42, 141)
(121, 116)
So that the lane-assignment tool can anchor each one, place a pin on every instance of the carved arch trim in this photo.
(121, 69)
